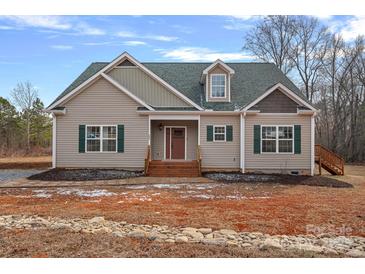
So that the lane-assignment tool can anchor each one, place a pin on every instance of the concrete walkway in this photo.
(25, 183)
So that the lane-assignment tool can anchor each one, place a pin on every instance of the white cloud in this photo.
(49, 22)
(134, 43)
(163, 38)
(54, 23)
(6, 28)
(353, 28)
(126, 34)
(193, 54)
(239, 22)
(96, 43)
(62, 47)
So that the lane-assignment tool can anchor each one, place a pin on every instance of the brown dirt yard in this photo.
(26, 162)
(268, 208)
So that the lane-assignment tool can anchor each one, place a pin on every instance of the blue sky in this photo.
(51, 51)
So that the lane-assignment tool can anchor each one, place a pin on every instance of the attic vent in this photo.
(126, 63)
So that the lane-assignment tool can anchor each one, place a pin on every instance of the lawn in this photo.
(268, 208)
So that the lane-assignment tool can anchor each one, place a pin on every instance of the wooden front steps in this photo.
(173, 169)
(329, 160)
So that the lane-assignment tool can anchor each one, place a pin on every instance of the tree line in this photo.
(25, 128)
(329, 71)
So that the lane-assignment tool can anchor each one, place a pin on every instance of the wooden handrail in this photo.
(199, 160)
(147, 160)
(324, 154)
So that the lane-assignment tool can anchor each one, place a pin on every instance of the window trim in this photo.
(225, 133)
(277, 139)
(101, 138)
(225, 86)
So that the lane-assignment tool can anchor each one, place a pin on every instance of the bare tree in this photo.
(270, 40)
(307, 51)
(24, 96)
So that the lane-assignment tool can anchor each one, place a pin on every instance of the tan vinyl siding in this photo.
(102, 104)
(220, 155)
(146, 88)
(277, 102)
(157, 138)
(262, 162)
(218, 70)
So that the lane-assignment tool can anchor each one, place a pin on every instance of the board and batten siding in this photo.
(101, 104)
(157, 138)
(146, 88)
(277, 162)
(277, 102)
(220, 155)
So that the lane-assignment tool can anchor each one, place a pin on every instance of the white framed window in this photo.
(286, 139)
(218, 85)
(277, 139)
(219, 133)
(101, 138)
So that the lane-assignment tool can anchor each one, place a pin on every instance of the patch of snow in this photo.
(40, 193)
(173, 186)
(136, 186)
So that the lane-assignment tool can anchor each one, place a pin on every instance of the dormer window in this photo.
(218, 87)
(217, 81)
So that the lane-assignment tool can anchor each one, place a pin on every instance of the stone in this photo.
(356, 253)
(118, 234)
(205, 230)
(330, 251)
(270, 243)
(231, 237)
(193, 234)
(233, 243)
(182, 239)
(245, 245)
(309, 248)
(157, 236)
(209, 236)
(137, 233)
(214, 241)
(97, 220)
(227, 232)
(170, 241)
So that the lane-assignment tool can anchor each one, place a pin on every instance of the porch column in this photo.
(149, 130)
(242, 142)
(199, 131)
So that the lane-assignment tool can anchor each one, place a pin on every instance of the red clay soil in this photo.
(273, 209)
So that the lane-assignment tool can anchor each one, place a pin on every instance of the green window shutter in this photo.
(256, 139)
(81, 138)
(120, 138)
(229, 133)
(210, 133)
(297, 139)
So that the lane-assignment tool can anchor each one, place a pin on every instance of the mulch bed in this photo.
(58, 174)
(235, 177)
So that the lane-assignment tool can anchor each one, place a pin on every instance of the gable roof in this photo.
(250, 81)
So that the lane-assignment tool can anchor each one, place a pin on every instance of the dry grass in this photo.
(25, 162)
(63, 243)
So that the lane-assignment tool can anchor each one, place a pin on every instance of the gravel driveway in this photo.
(12, 174)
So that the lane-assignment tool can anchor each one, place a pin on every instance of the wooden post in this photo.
(320, 165)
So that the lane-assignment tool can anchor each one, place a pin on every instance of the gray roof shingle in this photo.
(249, 81)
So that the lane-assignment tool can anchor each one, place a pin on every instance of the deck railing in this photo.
(147, 159)
(323, 154)
(199, 160)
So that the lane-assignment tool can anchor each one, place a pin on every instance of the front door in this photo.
(175, 143)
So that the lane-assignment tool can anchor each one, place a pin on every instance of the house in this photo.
(246, 117)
